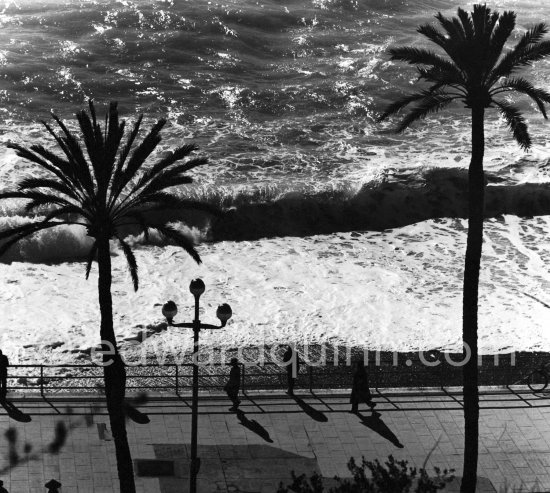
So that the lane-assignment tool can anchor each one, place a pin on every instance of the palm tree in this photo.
(106, 192)
(475, 69)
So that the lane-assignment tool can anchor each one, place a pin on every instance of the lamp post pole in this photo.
(195, 464)
(169, 310)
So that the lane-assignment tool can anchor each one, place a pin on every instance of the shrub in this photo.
(373, 477)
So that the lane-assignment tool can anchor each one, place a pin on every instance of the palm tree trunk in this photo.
(114, 372)
(476, 191)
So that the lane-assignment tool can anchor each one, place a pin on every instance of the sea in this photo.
(337, 230)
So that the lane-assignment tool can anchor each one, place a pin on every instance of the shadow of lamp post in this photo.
(170, 310)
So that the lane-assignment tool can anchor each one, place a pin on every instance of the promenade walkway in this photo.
(254, 450)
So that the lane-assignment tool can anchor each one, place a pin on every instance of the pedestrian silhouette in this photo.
(234, 383)
(4, 363)
(360, 391)
(292, 361)
(2, 489)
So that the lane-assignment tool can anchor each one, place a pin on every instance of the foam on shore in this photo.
(395, 290)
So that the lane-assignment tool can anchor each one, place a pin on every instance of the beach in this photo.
(335, 231)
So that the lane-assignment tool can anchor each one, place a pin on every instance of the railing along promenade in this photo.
(176, 379)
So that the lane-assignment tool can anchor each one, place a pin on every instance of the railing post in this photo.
(376, 373)
(441, 375)
(177, 382)
(310, 372)
(243, 379)
(42, 380)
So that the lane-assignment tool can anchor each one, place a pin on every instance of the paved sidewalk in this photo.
(252, 451)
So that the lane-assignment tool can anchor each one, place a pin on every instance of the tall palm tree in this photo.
(473, 68)
(108, 191)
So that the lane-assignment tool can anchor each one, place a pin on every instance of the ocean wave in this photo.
(71, 242)
(393, 200)
(408, 198)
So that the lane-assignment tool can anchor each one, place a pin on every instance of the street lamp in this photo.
(170, 310)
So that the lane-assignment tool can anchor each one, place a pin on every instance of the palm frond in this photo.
(16, 234)
(519, 84)
(65, 172)
(430, 104)
(90, 260)
(501, 33)
(166, 162)
(143, 151)
(77, 171)
(56, 166)
(398, 105)
(75, 152)
(179, 238)
(161, 175)
(419, 56)
(467, 24)
(446, 43)
(115, 133)
(32, 226)
(131, 259)
(433, 35)
(442, 78)
(532, 36)
(60, 142)
(167, 178)
(59, 170)
(88, 134)
(65, 211)
(516, 59)
(101, 148)
(140, 220)
(53, 185)
(41, 198)
(454, 29)
(516, 123)
(15, 230)
(483, 21)
(141, 197)
(116, 182)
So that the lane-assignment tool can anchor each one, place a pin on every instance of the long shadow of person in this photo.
(253, 426)
(310, 411)
(376, 424)
(15, 413)
(133, 413)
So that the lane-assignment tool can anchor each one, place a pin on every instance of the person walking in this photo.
(360, 391)
(4, 363)
(292, 361)
(234, 383)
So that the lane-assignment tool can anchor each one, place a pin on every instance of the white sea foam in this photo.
(397, 290)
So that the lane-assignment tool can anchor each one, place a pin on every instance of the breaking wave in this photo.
(408, 197)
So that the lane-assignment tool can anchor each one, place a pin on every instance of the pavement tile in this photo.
(514, 443)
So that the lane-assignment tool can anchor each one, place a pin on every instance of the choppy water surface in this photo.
(282, 96)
